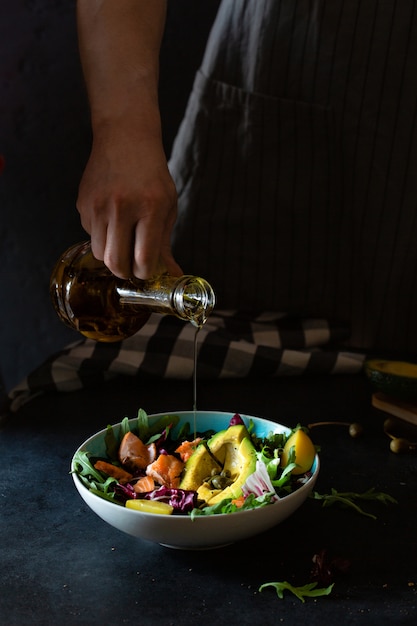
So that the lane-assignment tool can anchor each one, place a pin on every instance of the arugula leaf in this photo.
(227, 506)
(142, 425)
(112, 444)
(271, 459)
(310, 590)
(272, 442)
(184, 431)
(105, 490)
(92, 478)
(86, 469)
(348, 498)
(285, 476)
(166, 421)
(124, 427)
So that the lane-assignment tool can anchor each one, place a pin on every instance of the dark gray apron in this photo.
(296, 164)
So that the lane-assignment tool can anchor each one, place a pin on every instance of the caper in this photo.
(217, 482)
(225, 473)
(355, 430)
(399, 445)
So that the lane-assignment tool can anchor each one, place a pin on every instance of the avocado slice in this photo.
(199, 465)
(241, 464)
(230, 450)
(397, 379)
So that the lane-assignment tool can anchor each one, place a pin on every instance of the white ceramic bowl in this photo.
(177, 531)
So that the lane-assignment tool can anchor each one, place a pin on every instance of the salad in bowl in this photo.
(195, 479)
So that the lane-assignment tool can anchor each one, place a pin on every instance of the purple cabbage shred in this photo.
(181, 500)
(125, 492)
(159, 443)
(236, 420)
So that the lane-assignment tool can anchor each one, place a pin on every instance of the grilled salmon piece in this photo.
(166, 470)
(112, 470)
(144, 485)
(186, 449)
(134, 454)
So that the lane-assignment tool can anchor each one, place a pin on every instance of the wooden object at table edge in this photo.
(403, 410)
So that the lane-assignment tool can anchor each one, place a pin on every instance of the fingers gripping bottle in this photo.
(91, 300)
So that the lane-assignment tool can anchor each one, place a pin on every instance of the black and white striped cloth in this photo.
(231, 345)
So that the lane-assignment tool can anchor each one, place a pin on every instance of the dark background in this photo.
(45, 139)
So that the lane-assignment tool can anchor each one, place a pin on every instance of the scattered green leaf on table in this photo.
(307, 591)
(348, 498)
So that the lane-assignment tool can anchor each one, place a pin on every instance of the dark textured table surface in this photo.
(61, 564)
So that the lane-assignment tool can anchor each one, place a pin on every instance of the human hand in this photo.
(128, 204)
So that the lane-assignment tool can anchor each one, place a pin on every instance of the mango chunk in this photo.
(305, 452)
(150, 506)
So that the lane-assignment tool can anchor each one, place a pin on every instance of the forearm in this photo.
(119, 43)
(127, 198)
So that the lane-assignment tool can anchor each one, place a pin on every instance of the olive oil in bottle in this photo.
(91, 300)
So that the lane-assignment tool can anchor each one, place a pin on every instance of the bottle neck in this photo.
(188, 297)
